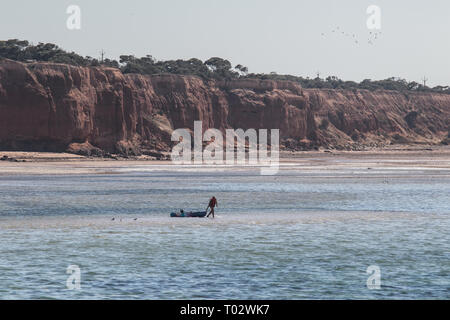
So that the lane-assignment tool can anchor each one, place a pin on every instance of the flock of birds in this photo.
(372, 36)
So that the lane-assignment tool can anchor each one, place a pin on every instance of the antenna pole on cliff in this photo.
(103, 54)
(424, 79)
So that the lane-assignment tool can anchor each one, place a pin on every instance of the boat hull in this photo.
(199, 214)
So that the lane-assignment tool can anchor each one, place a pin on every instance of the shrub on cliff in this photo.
(213, 68)
(324, 124)
(398, 139)
(410, 119)
(332, 82)
(13, 49)
(22, 50)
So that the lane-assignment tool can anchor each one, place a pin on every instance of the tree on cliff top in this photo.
(242, 69)
(221, 68)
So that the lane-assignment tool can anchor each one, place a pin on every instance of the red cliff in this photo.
(56, 107)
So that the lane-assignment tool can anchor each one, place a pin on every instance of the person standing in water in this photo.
(212, 204)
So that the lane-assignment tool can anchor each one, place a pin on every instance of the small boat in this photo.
(198, 214)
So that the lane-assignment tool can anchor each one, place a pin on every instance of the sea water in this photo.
(300, 234)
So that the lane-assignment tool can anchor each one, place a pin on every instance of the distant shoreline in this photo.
(38, 156)
(413, 157)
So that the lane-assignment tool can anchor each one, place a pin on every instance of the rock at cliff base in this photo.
(85, 149)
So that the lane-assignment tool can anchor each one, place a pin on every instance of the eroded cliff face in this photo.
(366, 118)
(56, 107)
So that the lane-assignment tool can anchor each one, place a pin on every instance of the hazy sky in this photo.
(286, 36)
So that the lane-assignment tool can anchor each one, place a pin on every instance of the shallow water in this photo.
(304, 233)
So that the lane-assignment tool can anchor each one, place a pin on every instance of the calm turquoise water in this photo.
(299, 234)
